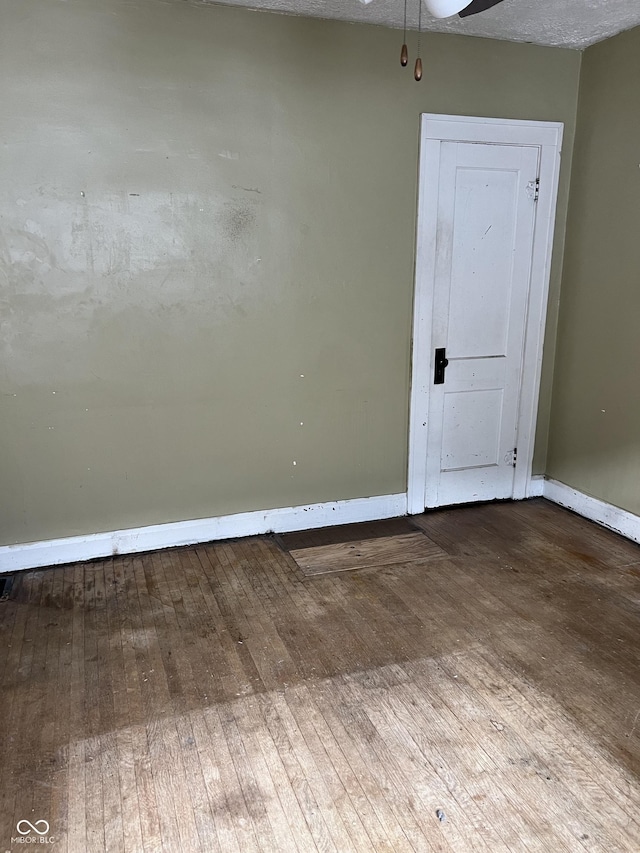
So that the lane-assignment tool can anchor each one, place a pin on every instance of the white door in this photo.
(483, 262)
(480, 248)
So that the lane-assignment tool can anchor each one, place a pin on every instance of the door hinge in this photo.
(533, 189)
(515, 456)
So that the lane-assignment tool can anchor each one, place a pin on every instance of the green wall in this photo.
(595, 426)
(206, 253)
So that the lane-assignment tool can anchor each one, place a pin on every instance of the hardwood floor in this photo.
(483, 695)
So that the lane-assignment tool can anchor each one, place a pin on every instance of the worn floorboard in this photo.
(215, 698)
(365, 554)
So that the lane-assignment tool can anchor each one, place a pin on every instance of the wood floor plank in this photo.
(140, 821)
(223, 834)
(465, 723)
(147, 804)
(76, 831)
(137, 640)
(269, 798)
(219, 648)
(235, 801)
(366, 773)
(61, 712)
(267, 641)
(435, 781)
(382, 834)
(155, 675)
(109, 660)
(194, 674)
(302, 713)
(297, 614)
(269, 654)
(256, 792)
(391, 776)
(243, 677)
(462, 771)
(28, 769)
(51, 765)
(558, 661)
(302, 837)
(126, 826)
(173, 730)
(191, 621)
(93, 746)
(17, 614)
(547, 752)
(303, 777)
(11, 625)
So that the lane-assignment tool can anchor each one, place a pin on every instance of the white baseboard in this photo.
(74, 549)
(536, 486)
(623, 522)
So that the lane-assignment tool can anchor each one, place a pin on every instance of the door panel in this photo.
(484, 239)
(484, 224)
(471, 427)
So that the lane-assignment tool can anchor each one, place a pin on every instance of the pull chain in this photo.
(417, 72)
(404, 53)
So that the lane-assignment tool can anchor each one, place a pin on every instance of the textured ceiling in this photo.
(558, 23)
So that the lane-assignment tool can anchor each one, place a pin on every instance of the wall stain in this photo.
(237, 219)
(24, 259)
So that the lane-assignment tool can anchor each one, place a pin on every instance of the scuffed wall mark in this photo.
(124, 234)
(247, 189)
(82, 237)
(25, 258)
(77, 273)
(229, 155)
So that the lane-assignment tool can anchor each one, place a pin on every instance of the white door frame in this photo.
(547, 136)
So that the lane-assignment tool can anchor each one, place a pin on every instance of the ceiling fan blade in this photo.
(477, 6)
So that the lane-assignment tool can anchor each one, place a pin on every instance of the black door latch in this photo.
(441, 362)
